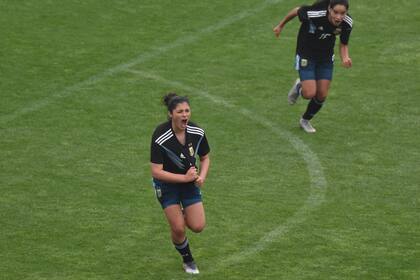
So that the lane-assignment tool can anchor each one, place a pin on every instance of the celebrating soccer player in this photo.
(176, 178)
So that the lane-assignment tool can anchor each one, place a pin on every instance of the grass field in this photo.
(80, 94)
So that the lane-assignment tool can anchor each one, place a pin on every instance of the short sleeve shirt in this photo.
(175, 157)
(316, 37)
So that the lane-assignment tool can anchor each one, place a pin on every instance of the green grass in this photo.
(80, 88)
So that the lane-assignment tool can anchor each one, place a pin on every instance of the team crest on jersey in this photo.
(191, 150)
(337, 31)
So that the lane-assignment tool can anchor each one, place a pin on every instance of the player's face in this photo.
(337, 14)
(180, 116)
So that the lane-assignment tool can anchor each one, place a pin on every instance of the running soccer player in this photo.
(320, 24)
(176, 178)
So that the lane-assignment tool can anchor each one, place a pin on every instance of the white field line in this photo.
(313, 165)
(156, 51)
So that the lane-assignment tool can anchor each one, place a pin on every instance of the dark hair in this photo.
(171, 100)
(332, 3)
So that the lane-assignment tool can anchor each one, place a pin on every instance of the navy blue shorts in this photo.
(313, 70)
(170, 194)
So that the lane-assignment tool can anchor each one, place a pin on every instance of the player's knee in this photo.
(178, 231)
(197, 227)
(308, 94)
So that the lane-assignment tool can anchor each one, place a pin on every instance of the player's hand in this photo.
(277, 30)
(347, 63)
(199, 181)
(191, 174)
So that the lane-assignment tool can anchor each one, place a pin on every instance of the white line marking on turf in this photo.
(156, 51)
(318, 182)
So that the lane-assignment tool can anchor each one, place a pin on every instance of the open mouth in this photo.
(184, 122)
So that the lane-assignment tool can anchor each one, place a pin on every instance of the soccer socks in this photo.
(313, 107)
(184, 251)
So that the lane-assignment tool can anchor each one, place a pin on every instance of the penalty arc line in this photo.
(318, 183)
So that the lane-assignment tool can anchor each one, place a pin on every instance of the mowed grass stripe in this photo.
(154, 52)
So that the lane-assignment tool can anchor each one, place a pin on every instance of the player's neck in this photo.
(181, 137)
(180, 134)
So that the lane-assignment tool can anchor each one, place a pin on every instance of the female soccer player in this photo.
(320, 23)
(176, 178)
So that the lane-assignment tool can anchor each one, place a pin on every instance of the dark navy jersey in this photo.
(175, 157)
(316, 37)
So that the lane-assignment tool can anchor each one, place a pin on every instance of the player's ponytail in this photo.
(171, 100)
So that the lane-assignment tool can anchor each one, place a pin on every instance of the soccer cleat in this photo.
(293, 94)
(190, 268)
(306, 125)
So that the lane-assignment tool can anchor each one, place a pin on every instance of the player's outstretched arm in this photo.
(279, 27)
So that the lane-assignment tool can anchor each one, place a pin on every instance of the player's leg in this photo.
(322, 87)
(317, 101)
(195, 217)
(309, 88)
(170, 199)
(195, 221)
(323, 75)
(193, 208)
(176, 221)
(307, 74)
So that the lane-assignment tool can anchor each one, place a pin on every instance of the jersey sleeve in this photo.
(303, 13)
(156, 155)
(345, 35)
(347, 27)
(204, 147)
